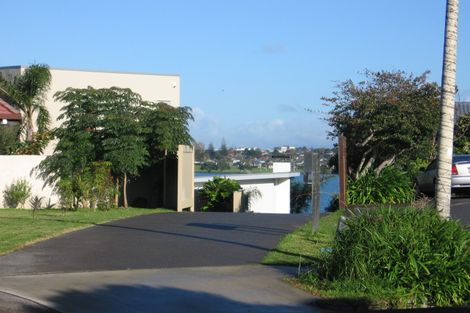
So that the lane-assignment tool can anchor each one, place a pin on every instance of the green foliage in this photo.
(111, 125)
(9, 137)
(462, 135)
(391, 117)
(27, 93)
(413, 255)
(165, 128)
(209, 166)
(391, 186)
(36, 202)
(216, 192)
(16, 193)
(93, 188)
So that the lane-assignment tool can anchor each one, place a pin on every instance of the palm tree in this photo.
(445, 150)
(26, 92)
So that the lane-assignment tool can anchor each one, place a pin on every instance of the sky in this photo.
(253, 71)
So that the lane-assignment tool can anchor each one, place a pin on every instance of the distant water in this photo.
(328, 189)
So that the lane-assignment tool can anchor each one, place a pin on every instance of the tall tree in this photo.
(98, 125)
(122, 134)
(211, 151)
(166, 128)
(223, 151)
(391, 117)
(199, 152)
(27, 92)
(446, 131)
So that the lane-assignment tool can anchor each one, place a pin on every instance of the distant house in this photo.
(170, 186)
(9, 115)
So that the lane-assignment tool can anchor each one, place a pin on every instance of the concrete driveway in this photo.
(202, 262)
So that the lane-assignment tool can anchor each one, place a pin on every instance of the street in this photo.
(460, 209)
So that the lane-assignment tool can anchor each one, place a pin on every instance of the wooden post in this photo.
(342, 171)
(315, 191)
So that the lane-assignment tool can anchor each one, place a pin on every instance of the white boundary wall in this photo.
(14, 167)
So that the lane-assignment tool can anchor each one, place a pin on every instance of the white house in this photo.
(171, 189)
(274, 188)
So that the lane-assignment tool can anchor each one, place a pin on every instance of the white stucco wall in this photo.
(151, 87)
(14, 167)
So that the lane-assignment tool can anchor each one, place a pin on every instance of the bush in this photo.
(409, 256)
(93, 188)
(16, 194)
(8, 139)
(216, 192)
(391, 186)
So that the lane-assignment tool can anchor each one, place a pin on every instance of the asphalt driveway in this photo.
(166, 240)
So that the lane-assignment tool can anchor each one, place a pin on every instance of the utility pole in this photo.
(315, 191)
(342, 172)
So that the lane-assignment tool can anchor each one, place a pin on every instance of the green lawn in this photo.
(18, 228)
(302, 245)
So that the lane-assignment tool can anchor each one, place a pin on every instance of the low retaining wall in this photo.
(14, 167)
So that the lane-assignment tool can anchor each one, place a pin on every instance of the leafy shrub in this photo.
(413, 256)
(16, 194)
(36, 202)
(217, 192)
(391, 186)
(8, 139)
(93, 188)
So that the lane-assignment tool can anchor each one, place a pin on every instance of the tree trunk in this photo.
(29, 125)
(116, 193)
(124, 190)
(384, 164)
(445, 149)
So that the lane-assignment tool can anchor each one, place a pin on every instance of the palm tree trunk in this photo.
(29, 124)
(124, 190)
(445, 150)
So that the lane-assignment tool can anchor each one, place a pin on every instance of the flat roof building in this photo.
(164, 186)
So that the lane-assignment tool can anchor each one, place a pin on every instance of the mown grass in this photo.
(18, 228)
(304, 246)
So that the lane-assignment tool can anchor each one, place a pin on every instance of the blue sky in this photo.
(249, 68)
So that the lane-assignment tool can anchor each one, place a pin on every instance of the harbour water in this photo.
(328, 189)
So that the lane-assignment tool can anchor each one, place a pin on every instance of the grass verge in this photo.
(302, 245)
(18, 228)
(429, 255)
